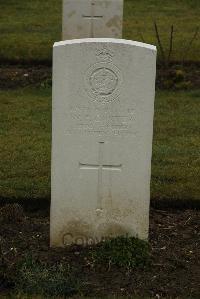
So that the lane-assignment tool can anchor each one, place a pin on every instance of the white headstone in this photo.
(92, 18)
(103, 105)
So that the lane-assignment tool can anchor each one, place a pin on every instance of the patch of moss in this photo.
(126, 252)
(36, 278)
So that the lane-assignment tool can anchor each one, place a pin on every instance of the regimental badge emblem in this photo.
(104, 54)
(103, 79)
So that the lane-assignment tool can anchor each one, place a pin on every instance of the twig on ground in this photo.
(160, 43)
(170, 44)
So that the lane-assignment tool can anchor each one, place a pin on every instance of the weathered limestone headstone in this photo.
(103, 105)
(92, 18)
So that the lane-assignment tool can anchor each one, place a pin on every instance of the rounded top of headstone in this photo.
(105, 40)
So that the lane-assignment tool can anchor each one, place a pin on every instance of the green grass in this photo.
(124, 252)
(28, 29)
(36, 278)
(183, 14)
(176, 162)
(25, 134)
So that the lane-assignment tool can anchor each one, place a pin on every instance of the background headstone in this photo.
(103, 105)
(92, 18)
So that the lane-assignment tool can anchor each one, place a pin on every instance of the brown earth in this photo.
(14, 76)
(175, 255)
(177, 77)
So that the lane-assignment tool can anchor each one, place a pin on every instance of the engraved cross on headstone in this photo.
(92, 17)
(100, 167)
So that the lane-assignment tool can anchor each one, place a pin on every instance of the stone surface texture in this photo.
(103, 106)
(92, 18)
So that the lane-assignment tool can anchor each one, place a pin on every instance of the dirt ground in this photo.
(14, 76)
(177, 77)
(175, 255)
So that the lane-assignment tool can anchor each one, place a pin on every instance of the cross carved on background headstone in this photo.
(92, 17)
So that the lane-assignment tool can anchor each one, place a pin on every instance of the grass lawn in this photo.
(25, 134)
(29, 28)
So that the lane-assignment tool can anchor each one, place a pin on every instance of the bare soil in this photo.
(14, 76)
(175, 254)
(175, 77)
